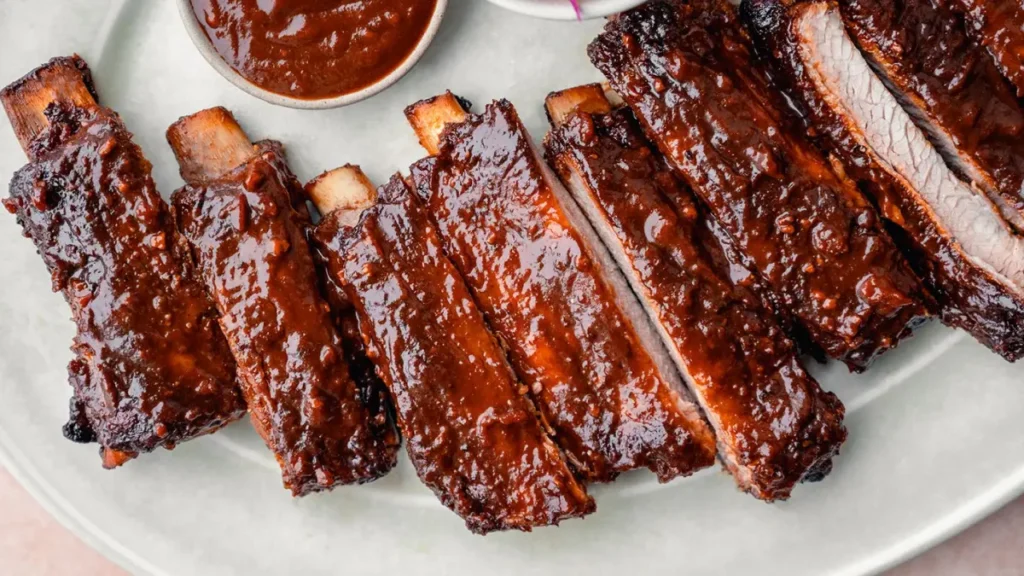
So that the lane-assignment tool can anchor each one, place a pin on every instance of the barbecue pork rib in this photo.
(998, 25)
(951, 87)
(775, 426)
(575, 333)
(244, 215)
(151, 367)
(686, 70)
(471, 432)
(953, 235)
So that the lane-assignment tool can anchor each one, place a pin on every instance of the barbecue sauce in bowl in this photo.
(314, 49)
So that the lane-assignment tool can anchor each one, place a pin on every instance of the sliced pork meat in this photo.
(247, 231)
(951, 87)
(471, 432)
(687, 71)
(150, 367)
(952, 233)
(775, 426)
(575, 333)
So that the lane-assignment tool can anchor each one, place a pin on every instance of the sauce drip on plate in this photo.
(314, 49)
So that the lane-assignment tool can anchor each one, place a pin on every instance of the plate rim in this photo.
(25, 473)
(949, 525)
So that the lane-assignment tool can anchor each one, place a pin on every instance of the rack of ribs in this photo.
(775, 426)
(953, 235)
(686, 70)
(244, 216)
(471, 432)
(951, 87)
(151, 368)
(575, 334)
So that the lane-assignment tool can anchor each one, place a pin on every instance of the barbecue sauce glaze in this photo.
(250, 244)
(314, 49)
(686, 70)
(151, 367)
(924, 48)
(775, 425)
(543, 293)
(471, 432)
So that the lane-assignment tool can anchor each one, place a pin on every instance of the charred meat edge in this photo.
(684, 442)
(953, 235)
(323, 429)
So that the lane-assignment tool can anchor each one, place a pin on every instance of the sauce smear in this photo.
(314, 49)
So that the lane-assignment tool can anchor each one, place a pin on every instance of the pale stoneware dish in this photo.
(935, 426)
(563, 10)
(202, 43)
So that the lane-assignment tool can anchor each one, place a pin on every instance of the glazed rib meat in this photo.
(575, 333)
(775, 426)
(952, 234)
(998, 25)
(151, 367)
(471, 432)
(247, 230)
(952, 89)
(686, 70)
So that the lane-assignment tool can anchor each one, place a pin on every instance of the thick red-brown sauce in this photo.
(970, 297)
(925, 50)
(773, 421)
(314, 49)
(687, 71)
(151, 367)
(250, 244)
(544, 294)
(998, 25)
(471, 431)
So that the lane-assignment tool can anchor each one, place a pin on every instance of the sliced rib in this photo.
(952, 89)
(952, 234)
(471, 432)
(575, 333)
(151, 367)
(687, 71)
(775, 426)
(247, 230)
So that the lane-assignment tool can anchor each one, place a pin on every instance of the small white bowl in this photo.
(202, 43)
(562, 9)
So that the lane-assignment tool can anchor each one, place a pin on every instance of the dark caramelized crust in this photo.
(924, 51)
(547, 297)
(775, 426)
(251, 247)
(969, 295)
(471, 432)
(998, 25)
(686, 70)
(151, 367)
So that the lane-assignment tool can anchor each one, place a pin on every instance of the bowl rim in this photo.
(213, 58)
(563, 10)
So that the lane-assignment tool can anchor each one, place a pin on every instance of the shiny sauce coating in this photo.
(151, 367)
(968, 295)
(998, 25)
(251, 246)
(548, 299)
(925, 50)
(470, 429)
(687, 71)
(775, 425)
(314, 49)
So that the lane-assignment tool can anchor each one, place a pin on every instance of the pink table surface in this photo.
(34, 544)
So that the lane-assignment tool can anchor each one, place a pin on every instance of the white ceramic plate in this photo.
(936, 428)
(563, 10)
